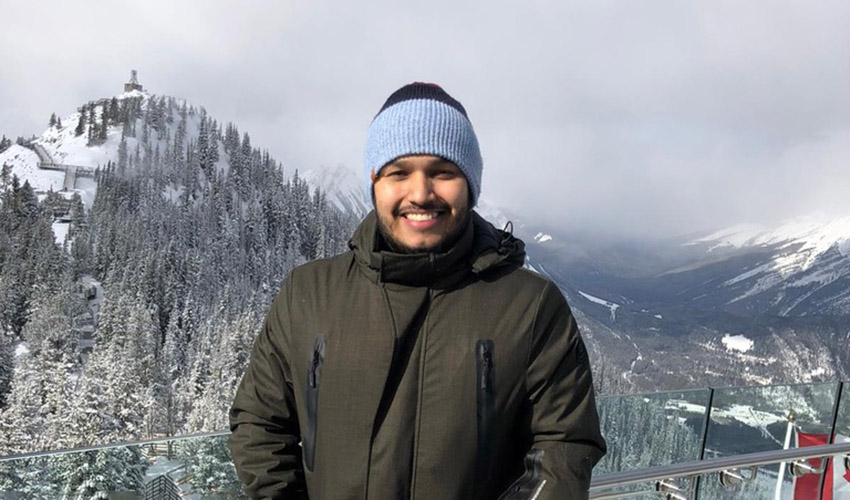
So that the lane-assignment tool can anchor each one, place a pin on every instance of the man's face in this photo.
(422, 202)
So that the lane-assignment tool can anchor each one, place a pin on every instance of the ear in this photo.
(373, 175)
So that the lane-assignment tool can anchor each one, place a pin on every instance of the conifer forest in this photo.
(140, 323)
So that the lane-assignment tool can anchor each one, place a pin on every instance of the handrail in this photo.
(697, 467)
(164, 439)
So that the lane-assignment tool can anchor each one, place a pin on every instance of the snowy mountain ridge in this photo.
(64, 146)
(814, 232)
(802, 266)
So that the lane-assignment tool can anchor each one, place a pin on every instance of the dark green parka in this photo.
(448, 376)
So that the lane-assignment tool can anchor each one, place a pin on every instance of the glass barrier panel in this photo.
(197, 467)
(752, 419)
(648, 430)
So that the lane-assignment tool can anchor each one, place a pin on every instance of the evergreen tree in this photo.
(209, 466)
(114, 111)
(23, 422)
(93, 128)
(81, 123)
(104, 125)
(52, 122)
(96, 474)
(6, 368)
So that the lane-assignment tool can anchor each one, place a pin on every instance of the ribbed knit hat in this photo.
(422, 119)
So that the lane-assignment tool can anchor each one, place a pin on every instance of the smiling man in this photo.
(425, 363)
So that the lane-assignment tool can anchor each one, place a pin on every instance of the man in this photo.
(425, 363)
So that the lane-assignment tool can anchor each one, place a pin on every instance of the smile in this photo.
(421, 216)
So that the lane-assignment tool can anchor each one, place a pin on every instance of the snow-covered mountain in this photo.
(72, 144)
(801, 267)
(342, 186)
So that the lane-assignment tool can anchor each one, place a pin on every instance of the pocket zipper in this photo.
(484, 369)
(314, 375)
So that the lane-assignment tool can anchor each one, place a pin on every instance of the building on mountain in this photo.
(133, 84)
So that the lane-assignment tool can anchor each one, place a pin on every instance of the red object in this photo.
(806, 487)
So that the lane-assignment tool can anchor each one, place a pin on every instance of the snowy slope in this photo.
(343, 187)
(801, 266)
(24, 163)
(66, 148)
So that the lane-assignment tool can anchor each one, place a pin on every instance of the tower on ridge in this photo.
(133, 84)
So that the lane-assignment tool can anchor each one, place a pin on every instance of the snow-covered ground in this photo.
(22, 350)
(612, 306)
(737, 343)
(744, 414)
(24, 163)
(60, 232)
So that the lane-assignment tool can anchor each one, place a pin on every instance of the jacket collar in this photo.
(479, 249)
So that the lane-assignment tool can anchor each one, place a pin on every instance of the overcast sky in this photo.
(625, 117)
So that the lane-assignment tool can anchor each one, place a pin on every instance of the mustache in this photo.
(427, 207)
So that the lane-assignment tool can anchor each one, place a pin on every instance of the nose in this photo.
(420, 189)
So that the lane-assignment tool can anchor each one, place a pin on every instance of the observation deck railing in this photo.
(766, 442)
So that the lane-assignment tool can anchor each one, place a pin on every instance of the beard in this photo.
(453, 232)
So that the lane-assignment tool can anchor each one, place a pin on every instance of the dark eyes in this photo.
(439, 174)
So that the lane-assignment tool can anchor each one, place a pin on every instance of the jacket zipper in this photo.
(486, 408)
(314, 377)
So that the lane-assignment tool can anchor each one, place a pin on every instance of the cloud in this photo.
(650, 117)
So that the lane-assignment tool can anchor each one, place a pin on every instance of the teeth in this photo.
(421, 217)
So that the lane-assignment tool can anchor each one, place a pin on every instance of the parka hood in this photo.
(480, 249)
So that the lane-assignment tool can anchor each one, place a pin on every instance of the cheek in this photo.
(384, 198)
(457, 196)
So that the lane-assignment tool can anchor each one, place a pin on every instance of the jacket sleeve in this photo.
(265, 436)
(566, 440)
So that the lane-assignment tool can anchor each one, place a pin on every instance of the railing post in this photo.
(704, 440)
(831, 438)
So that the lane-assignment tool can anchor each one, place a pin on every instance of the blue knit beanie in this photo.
(422, 119)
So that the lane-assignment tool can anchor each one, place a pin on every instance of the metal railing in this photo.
(670, 479)
(144, 442)
(679, 445)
